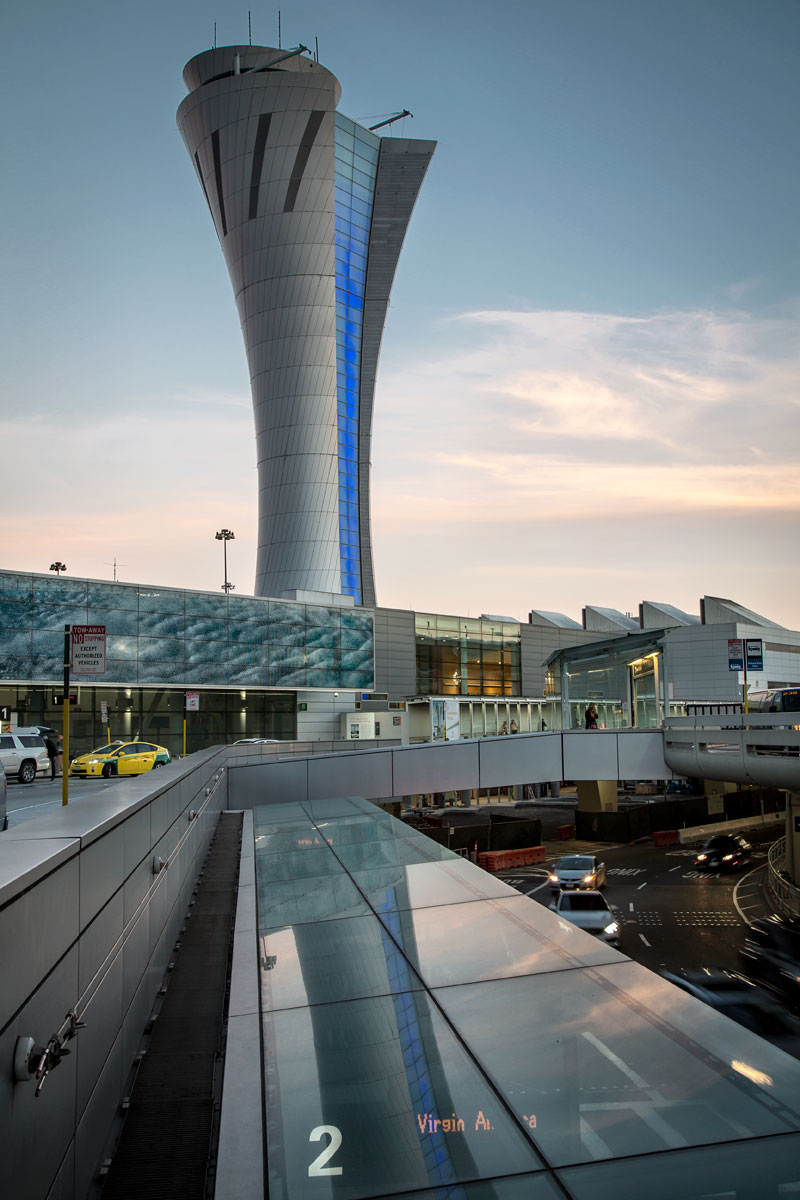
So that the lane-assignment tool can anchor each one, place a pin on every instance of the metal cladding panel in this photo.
(367, 773)
(280, 781)
(641, 755)
(524, 758)
(436, 768)
(401, 169)
(590, 754)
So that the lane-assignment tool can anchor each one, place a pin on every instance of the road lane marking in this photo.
(641, 885)
(674, 869)
(630, 905)
(538, 888)
(644, 939)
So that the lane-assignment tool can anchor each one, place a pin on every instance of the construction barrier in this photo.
(505, 860)
(666, 837)
(565, 832)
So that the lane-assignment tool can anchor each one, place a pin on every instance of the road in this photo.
(671, 915)
(28, 800)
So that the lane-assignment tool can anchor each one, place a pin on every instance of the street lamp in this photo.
(225, 536)
(58, 567)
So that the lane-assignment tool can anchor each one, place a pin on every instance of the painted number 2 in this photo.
(318, 1167)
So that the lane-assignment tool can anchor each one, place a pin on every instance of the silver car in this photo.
(590, 911)
(577, 871)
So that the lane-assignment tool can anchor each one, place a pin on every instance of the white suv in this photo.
(24, 756)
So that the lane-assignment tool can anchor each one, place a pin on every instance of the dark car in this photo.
(724, 852)
(771, 953)
(3, 800)
(743, 1001)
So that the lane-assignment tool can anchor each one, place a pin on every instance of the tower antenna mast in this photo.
(397, 117)
(279, 30)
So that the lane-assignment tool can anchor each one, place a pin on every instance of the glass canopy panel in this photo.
(298, 901)
(366, 856)
(330, 961)
(511, 1187)
(381, 1091)
(423, 885)
(613, 1075)
(366, 829)
(492, 939)
(767, 1169)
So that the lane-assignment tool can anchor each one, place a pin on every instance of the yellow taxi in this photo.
(120, 758)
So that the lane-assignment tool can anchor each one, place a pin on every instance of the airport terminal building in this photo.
(319, 668)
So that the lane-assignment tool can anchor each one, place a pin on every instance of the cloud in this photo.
(149, 488)
(539, 459)
(683, 410)
(540, 454)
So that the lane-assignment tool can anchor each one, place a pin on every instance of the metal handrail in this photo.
(784, 893)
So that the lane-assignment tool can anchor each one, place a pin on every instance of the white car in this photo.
(257, 742)
(577, 871)
(24, 756)
(590, 911)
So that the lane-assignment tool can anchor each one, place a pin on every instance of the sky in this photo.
(588, 389)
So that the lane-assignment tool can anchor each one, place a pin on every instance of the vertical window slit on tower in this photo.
(218, 180)
(303, 150)
(258, 161)
(203, 182)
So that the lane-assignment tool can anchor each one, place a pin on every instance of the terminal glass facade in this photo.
(356, 168)
(462, 656)
(104, 714)
(170, 637)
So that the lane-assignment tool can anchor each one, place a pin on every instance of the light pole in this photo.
(225, 536)
(58, 567)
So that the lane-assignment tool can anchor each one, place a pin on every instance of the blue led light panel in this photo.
(356, 168)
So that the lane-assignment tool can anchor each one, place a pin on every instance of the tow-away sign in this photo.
(89, 649)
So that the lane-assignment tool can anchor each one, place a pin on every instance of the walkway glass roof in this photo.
(428, 1031)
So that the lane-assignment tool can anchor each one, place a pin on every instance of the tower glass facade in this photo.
(356, 169)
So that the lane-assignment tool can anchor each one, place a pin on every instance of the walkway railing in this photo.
(785, 894)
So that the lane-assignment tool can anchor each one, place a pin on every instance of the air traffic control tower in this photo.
(311, 210)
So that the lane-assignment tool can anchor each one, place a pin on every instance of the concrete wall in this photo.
(86, 925)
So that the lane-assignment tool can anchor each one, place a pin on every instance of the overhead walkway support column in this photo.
(597, 795)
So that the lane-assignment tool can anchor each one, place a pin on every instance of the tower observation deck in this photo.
(311, 210)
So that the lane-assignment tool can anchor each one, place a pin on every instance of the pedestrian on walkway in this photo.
(60, 754)
(52, 754)
(590, 717)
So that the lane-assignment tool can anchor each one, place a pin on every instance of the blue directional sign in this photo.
(735, 654)
(754, 651)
